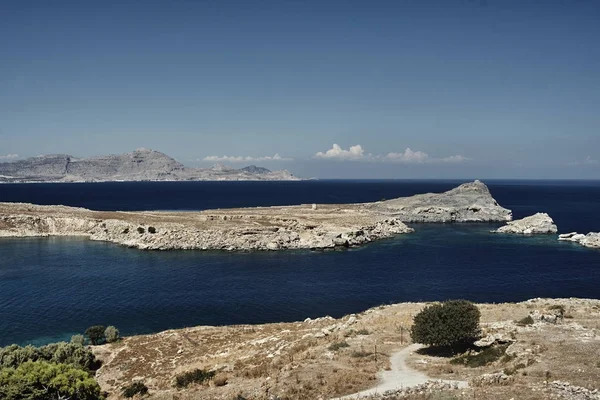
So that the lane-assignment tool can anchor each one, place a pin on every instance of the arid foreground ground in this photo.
(553, 355)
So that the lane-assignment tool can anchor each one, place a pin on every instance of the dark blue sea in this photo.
(51, 288)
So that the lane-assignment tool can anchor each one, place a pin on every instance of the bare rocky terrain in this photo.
(139, 165)
(547, 349)
(262, 228)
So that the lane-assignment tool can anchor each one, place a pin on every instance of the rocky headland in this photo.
(540, 223)
(139, 165)
(262, 228)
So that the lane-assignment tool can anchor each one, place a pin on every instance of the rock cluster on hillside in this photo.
(139, 165)
(539, 223)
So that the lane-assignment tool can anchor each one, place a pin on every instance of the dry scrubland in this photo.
(326, 358)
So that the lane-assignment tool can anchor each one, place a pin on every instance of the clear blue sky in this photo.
(474, 88)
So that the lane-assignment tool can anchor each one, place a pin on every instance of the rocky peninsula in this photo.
(263, 228)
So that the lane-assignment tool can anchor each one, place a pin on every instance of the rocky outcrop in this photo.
(469, 202)
(264, 228)
(592, 239)
(139, 165)
(539, 223)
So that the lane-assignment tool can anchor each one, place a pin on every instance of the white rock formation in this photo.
(592, 239)
(539, 223)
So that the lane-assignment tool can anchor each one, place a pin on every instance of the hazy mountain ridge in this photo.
(139, 165)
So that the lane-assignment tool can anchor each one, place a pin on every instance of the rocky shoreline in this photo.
(263, 228)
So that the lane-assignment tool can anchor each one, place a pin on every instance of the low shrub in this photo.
(363, 332)
(195, 376)
(111, 334)
(484, 357)
(220, 380)
(338, 345)
(135, 388)
(78, 340)
(140, 230)
(525, 321)
(151, 229)
(126, 231)
(360, 354)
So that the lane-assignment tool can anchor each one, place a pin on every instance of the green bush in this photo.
(195, 376)
(338, 345)
(111, 334)
(135, 388)
(78, 340)
(41, 380)
(447, 324)
(95, 334)
(62, 352)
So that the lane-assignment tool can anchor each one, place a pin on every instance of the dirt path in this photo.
(400, 376)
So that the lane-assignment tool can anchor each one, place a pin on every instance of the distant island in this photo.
(139, 165)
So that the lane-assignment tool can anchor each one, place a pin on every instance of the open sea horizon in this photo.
(52, 288)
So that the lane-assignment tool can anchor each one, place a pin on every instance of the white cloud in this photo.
(455, 159)
(9, 156)
(240, 159)
(408, 156)
(337, 153)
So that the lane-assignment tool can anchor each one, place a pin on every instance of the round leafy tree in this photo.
(95, 334)
(448, 324)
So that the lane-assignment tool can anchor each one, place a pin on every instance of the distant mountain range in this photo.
(139, 165)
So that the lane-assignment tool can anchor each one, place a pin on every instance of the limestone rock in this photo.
(469, 202)
(539, 223)
(592, 239)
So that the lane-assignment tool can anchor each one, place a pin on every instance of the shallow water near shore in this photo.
(51, 288)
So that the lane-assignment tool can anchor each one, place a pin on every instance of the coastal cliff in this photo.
(261, 228)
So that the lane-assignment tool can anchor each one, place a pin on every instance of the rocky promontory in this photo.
(261, 228)
(469, 202)
(539, 223)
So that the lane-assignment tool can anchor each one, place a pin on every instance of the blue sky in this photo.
(417, 89)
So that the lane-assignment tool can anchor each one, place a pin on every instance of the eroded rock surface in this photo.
(539, 223)
(263, 228)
